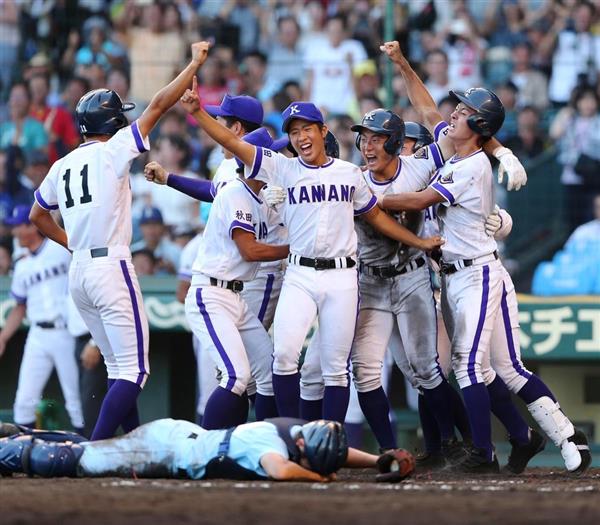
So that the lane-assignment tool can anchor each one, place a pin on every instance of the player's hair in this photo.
(248, 126)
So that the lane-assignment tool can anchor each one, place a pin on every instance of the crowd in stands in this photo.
(542, 57)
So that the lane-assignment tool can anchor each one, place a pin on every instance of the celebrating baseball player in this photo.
(40, 288)
(323, 195)
(472, 274)
(281, 449)
(90, 187)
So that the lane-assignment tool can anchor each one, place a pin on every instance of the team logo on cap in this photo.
(370, 115)
(294, 110)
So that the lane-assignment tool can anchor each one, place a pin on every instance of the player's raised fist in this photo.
(200, 52)
(430, 243)
(154, 172)
(190, 100)
(392, 49)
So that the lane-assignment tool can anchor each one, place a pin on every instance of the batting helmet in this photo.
(419, 133)
(100, 112)
(384, 122)
(332, 146)
(489, 115)
(325, 446)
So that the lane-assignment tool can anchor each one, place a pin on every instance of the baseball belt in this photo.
(50, 324)
(321, 263)
(387, 272)
(234, 286)
(450, 268)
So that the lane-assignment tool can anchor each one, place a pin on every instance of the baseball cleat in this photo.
(477, 463)
(577, 444)
(453, 451)
(521, 454)
(427, 461)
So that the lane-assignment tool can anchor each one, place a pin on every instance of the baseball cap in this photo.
(303, 111)
(19, 215)
(261, 137)
(36, 157)
(243, 107)
(151, 215)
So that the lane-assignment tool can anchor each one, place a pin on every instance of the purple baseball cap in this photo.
(303, 111)
(19, 215)
(261, 137)
(243, 107)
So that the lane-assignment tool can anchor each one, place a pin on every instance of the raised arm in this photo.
(242, 150)
(171, 93)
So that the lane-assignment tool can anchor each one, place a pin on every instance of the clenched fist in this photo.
(154, 172)
(392, 50)
(200, 52)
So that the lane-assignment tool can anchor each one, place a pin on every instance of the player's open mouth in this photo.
(371, 160)
(306, 149)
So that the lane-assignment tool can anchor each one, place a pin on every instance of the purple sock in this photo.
(477, 401)
(376, 408)
(224, 409)
(265, 407)
(118, 402)
(431, 432)
(131, 420)
(534, 389)
(311, 410)
(438, 401)
(287, 394)
(335, 403)
(354, 433)
(459, 413)
(504, 409)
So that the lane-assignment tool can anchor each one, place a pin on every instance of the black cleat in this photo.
(477, 463)
(584, 450)
(427, 461)
(453, 451)
(521, 454)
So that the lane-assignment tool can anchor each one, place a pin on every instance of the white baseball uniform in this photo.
(90, 187)
(40, 281)
(319, 210)
(220, 317)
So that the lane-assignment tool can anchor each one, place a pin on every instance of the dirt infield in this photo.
(540, 497)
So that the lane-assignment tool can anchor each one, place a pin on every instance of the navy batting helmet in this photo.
(325, 446)
(384, 122)
(100, 112)
(332, 146)
(489, 115)
(419, 133)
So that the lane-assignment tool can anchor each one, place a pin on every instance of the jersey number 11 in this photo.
(85, 197)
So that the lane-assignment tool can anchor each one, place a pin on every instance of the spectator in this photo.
(5, 257)
(285, 59)
(212, 86)
(94, 74)
(22, 130)
(507, 93)
(245, 15)
(75, 88)
(504, 23)
(62, 134)
(254, 67)
(329, 68)
(366, 79)
(117, 79)
(340, 127)
(177, 209)
(144, 262)
(587, 235)
(9, 45)
(532, 85)
(367, 104)
(577, 130)
(528, 142)
(576, 51)
(16, 189)
(155, 238)
(436, 69)
(154, 54)
(463, 48)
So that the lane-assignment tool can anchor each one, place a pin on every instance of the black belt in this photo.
(234, 286)
(99, 252)
(387, 272)
(450, 268)
(46, 324)
(324, 264)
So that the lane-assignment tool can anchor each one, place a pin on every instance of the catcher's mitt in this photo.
(395, 465)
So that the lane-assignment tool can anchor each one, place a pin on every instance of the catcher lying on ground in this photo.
(282, 449)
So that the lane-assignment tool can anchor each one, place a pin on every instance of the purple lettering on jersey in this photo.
(303, 195)
(318, 193)
(345, 193)
(333, 194)
(291, 198)
(352, 190)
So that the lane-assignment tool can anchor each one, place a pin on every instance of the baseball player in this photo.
(473, 274)
(90, 187)
(280, 449)
(323, 194)
(40, 287)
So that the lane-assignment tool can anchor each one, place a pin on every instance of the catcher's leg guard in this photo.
(11, 455)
